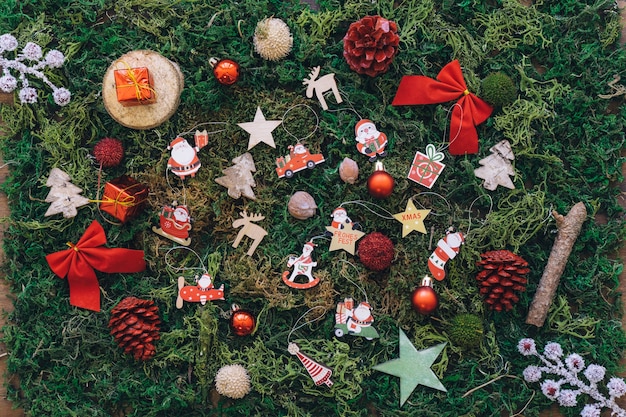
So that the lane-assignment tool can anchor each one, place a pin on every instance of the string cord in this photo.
(435, 194)
(297, 327)
(177, 269)
(366, 205)
(470, 210)
(317, 122)
(359, 287)
(192, 130)
(446, 145)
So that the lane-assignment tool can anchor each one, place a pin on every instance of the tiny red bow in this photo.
(79, 262)
(469, 112)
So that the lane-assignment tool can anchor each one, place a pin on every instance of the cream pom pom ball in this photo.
(272, 39)
(232, 381)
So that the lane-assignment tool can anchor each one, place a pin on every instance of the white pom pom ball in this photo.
(232, 381)
(272, 39)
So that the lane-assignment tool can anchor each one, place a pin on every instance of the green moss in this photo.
(466, 330)
(498, 89)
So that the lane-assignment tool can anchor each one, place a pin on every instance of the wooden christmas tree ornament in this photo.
(568, 230)
(153, 104)
(238, 178)
(64, 196)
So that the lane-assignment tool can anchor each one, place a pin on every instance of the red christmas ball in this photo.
(380, 184)
(226, 71)
(242, 322)
(108, 152)
(424, 298)
(376, 251)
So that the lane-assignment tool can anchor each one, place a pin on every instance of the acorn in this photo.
(301, 205)
(348, 171)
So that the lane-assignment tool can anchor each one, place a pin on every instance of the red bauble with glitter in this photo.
(380, 184)
(225, 70)
(424, 298)
(376, 251)
(108, 152)
(242, 322)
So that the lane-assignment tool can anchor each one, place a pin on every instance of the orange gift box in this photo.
(134, 86)
(123, 198)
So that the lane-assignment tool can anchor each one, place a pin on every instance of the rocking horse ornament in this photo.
(302, 266)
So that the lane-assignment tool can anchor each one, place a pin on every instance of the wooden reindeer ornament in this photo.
(250, 229)
(321, 85)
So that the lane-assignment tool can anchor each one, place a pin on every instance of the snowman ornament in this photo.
(370, 141)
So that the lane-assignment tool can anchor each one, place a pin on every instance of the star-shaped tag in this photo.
(344, 238)
(260, 129)
(413, 367)
(412, 219)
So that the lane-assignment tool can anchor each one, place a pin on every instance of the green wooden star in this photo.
(413, 367)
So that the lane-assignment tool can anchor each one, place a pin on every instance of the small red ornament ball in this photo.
(226, 71)
(108, 152)
(242, 322)
(376, 251)
(380, 184)
(424, 299)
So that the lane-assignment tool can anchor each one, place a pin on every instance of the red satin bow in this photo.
(449, 85)
(78, 264)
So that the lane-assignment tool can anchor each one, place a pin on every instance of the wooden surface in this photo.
(168, 84)
(6, 304)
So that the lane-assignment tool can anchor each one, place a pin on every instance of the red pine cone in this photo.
(502, 277)
(108, 152)
(135, 325)
(370, 45)
(376, 251)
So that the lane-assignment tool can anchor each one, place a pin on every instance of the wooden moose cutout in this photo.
(253, 231)
(321, 85)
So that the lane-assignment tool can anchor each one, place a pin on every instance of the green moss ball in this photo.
(498, 89)
(466, 330)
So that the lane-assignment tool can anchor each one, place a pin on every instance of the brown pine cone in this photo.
(502, 277)
(370, 45)
(135, 325)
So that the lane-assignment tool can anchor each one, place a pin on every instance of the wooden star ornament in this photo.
(260, 129)
(412, 219)
(344, 238)
(413, 367)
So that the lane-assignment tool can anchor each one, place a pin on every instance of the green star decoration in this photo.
(413, 367)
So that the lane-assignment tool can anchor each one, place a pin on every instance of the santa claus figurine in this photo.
(359, 317)
(175, 223)
(340, 218)
(370, 141)
(184, 159)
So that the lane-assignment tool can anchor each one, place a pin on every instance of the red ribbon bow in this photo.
(449, 85)
(79, 262)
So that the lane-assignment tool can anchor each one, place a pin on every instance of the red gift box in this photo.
(123, 198)
(134, 86)
(426, 168)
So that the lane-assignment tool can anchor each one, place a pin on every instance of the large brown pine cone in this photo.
(135, 325)
(370, 45)
(502, 278)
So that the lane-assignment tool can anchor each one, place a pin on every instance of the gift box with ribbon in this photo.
(123, 198)
(134, 86)
(426, 168)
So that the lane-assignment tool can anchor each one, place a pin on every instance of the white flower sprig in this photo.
(31, 53)
(569, 386)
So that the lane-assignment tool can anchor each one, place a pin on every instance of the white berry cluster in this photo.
(37, 62)
(567, 388)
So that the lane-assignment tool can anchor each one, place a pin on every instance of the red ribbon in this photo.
(449, 85)
(79, 263)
